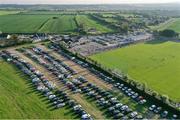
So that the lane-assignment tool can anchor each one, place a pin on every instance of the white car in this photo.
(86, 116)
(51, 96)
(152, 107)
(118, 105)
(60, 105)
(164, 114)
(77, 107)
(133, 114)
(124, 107)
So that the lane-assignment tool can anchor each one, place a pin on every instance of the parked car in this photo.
(164, 114)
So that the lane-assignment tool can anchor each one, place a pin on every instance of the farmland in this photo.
(70, 22)
(22, 23)
(37, 23)
(173, 24)
(4, 12)
(88, 24)
(48, 22)
(153, 63)
(64, 23)
(27, 103)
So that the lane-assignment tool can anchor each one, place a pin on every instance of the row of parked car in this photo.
(53, 60)
(122, 87)
(129, 92)
(106, 100)
(103, 98)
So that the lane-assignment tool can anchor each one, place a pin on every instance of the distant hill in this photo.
(170, 6)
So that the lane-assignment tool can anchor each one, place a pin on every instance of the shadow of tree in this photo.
(156, 41)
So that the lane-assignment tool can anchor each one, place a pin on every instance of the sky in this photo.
(83, 1)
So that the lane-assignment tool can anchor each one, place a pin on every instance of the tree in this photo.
(165, 99)
(144, 87)
(82, 29)
(13, 40)
(135, 84)
(154, 93)
(14, 37)
(125, 27)
(168, 33)
(124, 77)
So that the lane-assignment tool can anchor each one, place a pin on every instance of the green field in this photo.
(22, 23)
(89, 23)
(3, 12)
(18, 100)
(62, 24)
(47, 23)
(41, 13)
(173, 24)
(109, 15)
(155, 63)
(37, 23)
(111, 20)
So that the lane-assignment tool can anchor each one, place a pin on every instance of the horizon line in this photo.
(88, 3)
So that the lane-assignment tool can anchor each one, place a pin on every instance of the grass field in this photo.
(22, 23)
(155, 63)
(37, 23)
(41, 13)
(89, 23)
(173, 24)
(50, 22)
(18, 100)
(111, 20)
(63, 24)
(4, 12)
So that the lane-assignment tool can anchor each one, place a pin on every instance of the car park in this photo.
(80, 84)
